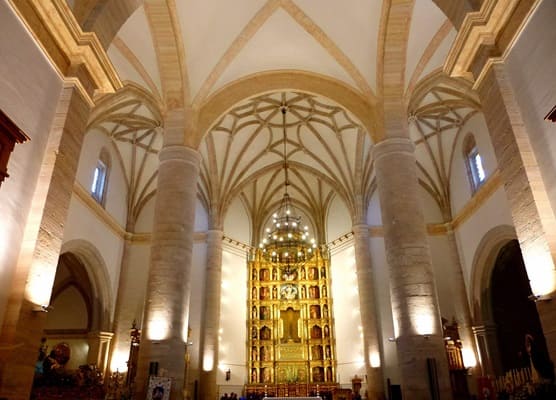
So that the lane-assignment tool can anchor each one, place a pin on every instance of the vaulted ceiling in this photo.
(184, 54)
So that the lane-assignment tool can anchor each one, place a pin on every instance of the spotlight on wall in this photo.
(228, 374)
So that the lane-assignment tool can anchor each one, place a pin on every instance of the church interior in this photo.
(277, 198)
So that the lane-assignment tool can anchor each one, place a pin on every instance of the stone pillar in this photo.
(211, 317)
(36, 268)
(417, 325)
(164, 328)
(126, 311)
(460, 299)
(99, 346)
(367, 301)
(532, 213)
(487, 342)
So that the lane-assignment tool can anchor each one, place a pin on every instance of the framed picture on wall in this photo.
(159, 388)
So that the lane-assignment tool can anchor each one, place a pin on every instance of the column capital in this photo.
(394, 145)
(179, 153)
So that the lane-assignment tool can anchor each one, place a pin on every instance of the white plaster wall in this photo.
(382, 294)
(530, 67)
(83, 224)
(233, 313)
(196, 304)
(442, 269)
(459, 182)
(374, 216)
(347, 316)
(29, 90)
(116, 191)
(69, 311)
(339, 221)
(494, 212)
(139, 261)
(237, 224)
(431, 211)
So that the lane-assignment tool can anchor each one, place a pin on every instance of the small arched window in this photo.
(100, 177)
(473, 162)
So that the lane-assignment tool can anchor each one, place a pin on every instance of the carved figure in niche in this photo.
(274, 292)
(254, 293)
(303, 273)
(264, 274)
(288, 292)
(317, 374)
(323, 272)
(314, 311)
(254, 312)
(264, 353)
(264, 293)
(303, 292)
(329, 374)
(254, 332)
(316, 332)
(254, 275)
(289, 318)
(266, 375)
(328, 352)
(289, 275)
(312, 273)
(254, 355)
(265, 333)
(326, 331)
(325, 311)
(324, 291)
(274, 274)
(316, 352)
(313, 292)
(254, 375)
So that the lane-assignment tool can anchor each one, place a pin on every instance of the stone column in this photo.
(487, 342)
(164, 328)
(533, 217)
(211, 317)
(415, 309)
(36, 268)
(99, 345)
(460, 298)
(369, 315)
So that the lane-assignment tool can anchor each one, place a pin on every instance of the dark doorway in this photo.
(514, 313)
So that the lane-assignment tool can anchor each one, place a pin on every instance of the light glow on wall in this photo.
(208, 360)
(423, 323)
(158, 328)
(540, 269)
(119, 361)
(40, 281)
(469, 360)
(374, 359)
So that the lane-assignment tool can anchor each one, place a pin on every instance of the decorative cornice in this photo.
(486, 37)
(76, 55)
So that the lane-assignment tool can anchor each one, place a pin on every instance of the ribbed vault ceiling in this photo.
(182, 55)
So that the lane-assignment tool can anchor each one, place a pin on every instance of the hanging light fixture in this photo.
(287, 242)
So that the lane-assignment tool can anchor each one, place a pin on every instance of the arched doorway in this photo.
(513, 311)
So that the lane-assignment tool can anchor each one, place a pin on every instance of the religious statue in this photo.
(289, 318)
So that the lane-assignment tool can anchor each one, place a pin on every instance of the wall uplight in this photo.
(374, 359)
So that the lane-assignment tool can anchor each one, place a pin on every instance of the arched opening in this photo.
(514, 313)
(74, 349)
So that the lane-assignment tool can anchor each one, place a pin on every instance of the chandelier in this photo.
(287, 242)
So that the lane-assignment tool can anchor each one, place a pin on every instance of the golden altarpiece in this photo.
(290, 324)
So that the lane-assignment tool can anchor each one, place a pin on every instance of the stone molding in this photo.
(77, 56)
(395, 145)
